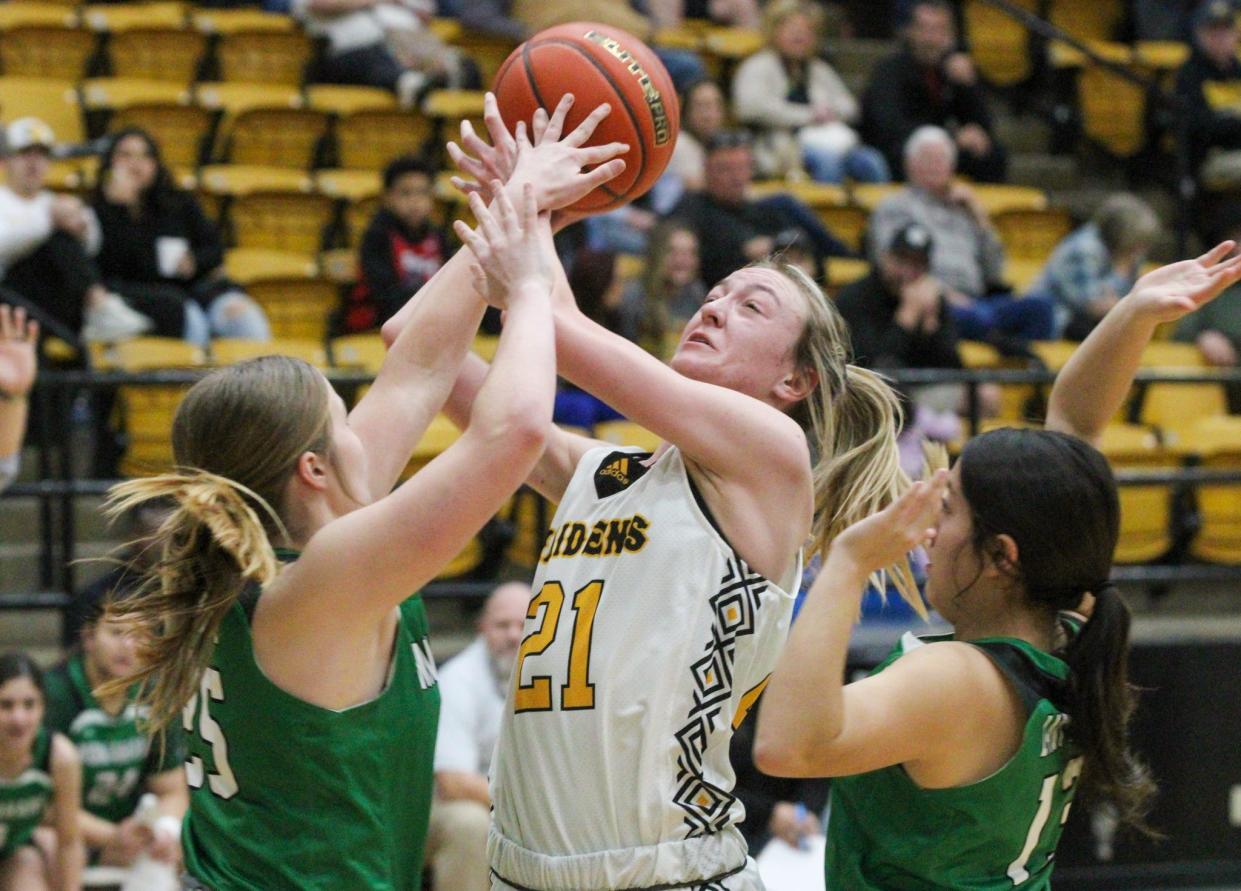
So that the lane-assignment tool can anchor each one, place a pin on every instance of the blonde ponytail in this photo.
(211, 546)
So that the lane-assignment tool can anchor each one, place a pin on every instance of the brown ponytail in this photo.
(237, 437)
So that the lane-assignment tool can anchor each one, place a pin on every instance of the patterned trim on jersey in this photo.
(715, 883)
(735, 606)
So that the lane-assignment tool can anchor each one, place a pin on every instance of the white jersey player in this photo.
(664, 588)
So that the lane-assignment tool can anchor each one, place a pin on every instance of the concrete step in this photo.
(19, 564)
(31, 630)
(1022, 133)
(20, 519)
(1043, 171)
(857, 56)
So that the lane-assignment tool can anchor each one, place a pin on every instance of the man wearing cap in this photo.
(967, 256)
(897, 315)
(1209, 84)
(46, 239)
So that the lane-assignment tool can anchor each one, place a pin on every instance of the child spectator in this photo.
(401, 249)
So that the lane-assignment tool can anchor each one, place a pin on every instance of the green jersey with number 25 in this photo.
(885, 833)
(289, 795)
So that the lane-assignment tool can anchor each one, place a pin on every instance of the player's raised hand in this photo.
(1170, 292)
(909, 522)
(18, 340)
(513, 260)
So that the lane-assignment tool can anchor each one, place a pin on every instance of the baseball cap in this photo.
(912, 238)
(25, 133)
(1215, 13)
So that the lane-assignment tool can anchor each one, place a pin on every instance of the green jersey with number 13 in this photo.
(885, 833)
(289, 795)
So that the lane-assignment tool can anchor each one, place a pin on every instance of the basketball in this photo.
(597, 64)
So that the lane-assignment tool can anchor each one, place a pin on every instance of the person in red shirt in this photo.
(401, 248)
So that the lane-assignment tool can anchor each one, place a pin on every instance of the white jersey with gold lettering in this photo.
(647, 640)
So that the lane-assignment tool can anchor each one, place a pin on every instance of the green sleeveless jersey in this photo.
(117, 755)
(288, 795)
(24, 798)
(885, 833)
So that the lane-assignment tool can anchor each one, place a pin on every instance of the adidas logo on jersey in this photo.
(618, 470)
(604, 539)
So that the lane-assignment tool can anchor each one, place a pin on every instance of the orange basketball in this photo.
(597, 64)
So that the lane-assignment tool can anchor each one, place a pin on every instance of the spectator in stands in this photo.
(802, 109)
(734, 230)
(1092, 268)
(967, 256)
(704, 113)
(930, 80)
(159, 248)
(121, 763)
(516, 20)
(1209, 85)
(45, 241)
(401, 248)
(593, 279)
(1216, 328)
(18, 342)
(473, 688)
(385, 43)
(669, 291)
(737, 13)
(1163, 19)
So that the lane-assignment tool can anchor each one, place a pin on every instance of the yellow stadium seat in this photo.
(868, 196)
(1161, 55)
(451, 107)
(1021, 273)
(1172, 355)
(114, 93)
(297, 308)
(227, 351)
(999, 44)
(627, 433)
(841, 271)
(281, 221)
(54, 101)
(357, 217)
(846, 223)
(122, 16)
(1145, 510)
(241, 179)
(234, 98)
(145, 413)
(349, 185)
(485, 346)
(151, 353)
(361, 351)
(1095, 20)
(245, 265)
(733, 44)
(368, 140)
(180, 130)
(997, 198)
(1113, 109)
(171, 54)
(46, 51)
(487, 52)
(1032, 234)
(274, 137)
(1054, 353)
(684, 36)
(13, 15)
(338, 99)
(228, 21)
(1175, 408)
(809, 192)
(439, 435)
(264, 57)
(975, 354)
(1217, 441)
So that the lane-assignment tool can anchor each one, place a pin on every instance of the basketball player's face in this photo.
(21, 712)
(110, 649)
(744, 334)
(954, 565)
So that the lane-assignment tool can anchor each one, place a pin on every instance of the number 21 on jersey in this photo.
(577, 692)
(221, 781)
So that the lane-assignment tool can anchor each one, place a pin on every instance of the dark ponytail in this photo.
(1055, 496)
(1101, 703)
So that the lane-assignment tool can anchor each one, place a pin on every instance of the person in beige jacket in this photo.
(800, 107)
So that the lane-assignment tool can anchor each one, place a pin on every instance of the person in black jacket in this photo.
(931, 81)
(1209, 85)
(161, 251)
(733, 229)
(401, 248)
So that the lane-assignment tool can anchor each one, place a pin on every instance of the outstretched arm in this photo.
(1093, 383)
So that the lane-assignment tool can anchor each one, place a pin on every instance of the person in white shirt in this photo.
(46, 241)
(473, 689)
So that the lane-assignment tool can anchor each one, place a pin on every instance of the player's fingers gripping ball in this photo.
(597, 64)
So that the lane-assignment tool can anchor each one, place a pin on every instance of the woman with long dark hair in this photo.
(40, 773)
(956, 760)
(159, 249)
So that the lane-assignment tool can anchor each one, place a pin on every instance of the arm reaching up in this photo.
(1094, 381)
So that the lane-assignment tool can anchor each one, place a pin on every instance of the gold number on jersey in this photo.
(578, 692)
